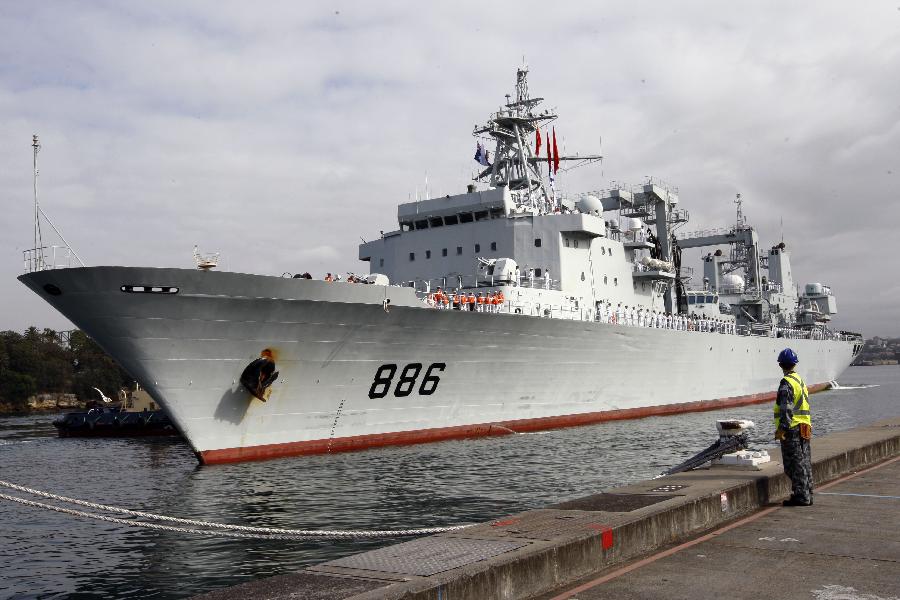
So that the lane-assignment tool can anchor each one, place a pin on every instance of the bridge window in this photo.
(451, 220)
(481, 215)
(465, 217)
(423, 224)
(436, 221)
(406, 226)
(537, 242)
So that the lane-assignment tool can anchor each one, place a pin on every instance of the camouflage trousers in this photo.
(795, 454)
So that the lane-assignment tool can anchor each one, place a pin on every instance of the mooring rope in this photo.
(238, 531)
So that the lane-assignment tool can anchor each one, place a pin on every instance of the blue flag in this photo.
(481, 155)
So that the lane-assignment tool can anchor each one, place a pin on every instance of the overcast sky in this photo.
(280, 133)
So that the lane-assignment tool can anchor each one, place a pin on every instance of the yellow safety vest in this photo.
(801, 402)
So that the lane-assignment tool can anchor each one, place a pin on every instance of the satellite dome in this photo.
(589, 204)
(734, 281)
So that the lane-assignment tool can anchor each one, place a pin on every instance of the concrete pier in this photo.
(581, 548)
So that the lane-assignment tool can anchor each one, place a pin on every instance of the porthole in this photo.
(582, 275)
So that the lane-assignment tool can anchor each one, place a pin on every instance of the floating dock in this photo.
(705, 533)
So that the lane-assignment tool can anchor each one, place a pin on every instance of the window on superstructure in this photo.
(537, 272)
(406, 226)
(605, 280)
(603, 251)
(451, 220)
(566, 242)
(436, 221)
(380, 262)
(575, 243)
(459, 250)
(465, 217)
(481, 215)
(493, 246)
(537, 242)
(496, 213)
(615, 281)
(423, 224)
(428, 254)
(444, 252)
(412, 256)
(477, 248)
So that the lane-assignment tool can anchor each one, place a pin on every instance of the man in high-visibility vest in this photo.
(793, 428)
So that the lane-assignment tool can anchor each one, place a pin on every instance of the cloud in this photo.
(281, 134)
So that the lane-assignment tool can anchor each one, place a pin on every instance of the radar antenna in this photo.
(741, 222)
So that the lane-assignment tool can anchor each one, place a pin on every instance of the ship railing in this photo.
(424, 287)
(46, 258)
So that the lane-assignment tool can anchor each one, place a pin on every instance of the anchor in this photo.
(259, 375)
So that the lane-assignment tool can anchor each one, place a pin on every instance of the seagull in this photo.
(103, 396)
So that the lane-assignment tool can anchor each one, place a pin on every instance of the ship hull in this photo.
(452, 374)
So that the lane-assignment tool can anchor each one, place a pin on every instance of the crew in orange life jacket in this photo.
(480, 301)
(456, 299)
(471, 301)
(446, 298)
(438, 297)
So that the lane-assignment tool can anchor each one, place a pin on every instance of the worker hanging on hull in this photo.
(794, 430)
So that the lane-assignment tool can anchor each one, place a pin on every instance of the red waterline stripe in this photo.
(421, 436)
(651, 559)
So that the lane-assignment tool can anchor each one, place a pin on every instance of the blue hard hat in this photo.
(788, 357)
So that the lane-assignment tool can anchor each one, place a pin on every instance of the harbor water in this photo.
(51, 555)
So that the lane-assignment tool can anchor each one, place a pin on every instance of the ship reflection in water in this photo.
(52, 555)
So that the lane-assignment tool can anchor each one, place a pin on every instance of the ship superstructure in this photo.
(509, 307)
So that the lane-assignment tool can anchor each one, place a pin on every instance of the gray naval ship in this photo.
(508, 308)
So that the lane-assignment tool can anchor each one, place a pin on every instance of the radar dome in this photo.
(630, 224)
(589, 204)
(734, 281)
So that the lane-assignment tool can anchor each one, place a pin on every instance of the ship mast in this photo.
(38, 239)
(515, 163)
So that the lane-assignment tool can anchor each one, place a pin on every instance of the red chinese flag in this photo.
(537, 147)
(555, 154)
